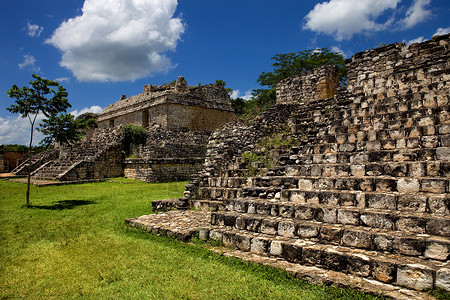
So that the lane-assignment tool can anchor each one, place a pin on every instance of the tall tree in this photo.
(44, 96)
(63, 129)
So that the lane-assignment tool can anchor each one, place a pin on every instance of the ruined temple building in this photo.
(177, 107)
(178, 119)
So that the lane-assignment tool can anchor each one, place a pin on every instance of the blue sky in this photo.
(102, 49)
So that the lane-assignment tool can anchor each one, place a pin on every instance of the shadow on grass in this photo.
(63, 204)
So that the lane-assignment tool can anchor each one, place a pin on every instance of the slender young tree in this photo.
(44, 96)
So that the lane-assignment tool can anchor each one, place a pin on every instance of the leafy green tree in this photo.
(63, 129)
(44, 96)
(290, 64)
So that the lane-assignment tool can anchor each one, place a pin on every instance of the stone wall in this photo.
(317, 84)
(168, 155)
(2, 164)
(402, 70)
(10, 160)
(163, 169)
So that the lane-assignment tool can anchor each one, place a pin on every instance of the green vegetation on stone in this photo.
(132, 134)
(73, 244)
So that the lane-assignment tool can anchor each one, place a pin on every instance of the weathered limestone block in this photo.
(305, 231)
(443, 278)
(203, 233)
(228, 240)
(215, 235)
(418, 277)
(269, 227)
(384, 271)
(292, 252)
(358, 239)
(259, 246)
(437, 250)
(242, 242)
(348, 217)
(405, 185)
(377, 220)
(286, 229)
(276, 248)
(331, 234)
(439, 204)
(359, 265)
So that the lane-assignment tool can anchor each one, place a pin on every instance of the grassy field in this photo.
(73, 244)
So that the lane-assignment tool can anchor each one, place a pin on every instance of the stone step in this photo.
(412, 272)
(379, 115)
(301, 185)
(326, 154)
(334, 169)
(438, 204)
(384, 170)
(371, 216)
(401, 242)
(361, 269)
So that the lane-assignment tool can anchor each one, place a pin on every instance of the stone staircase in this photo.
(36, 161)
(359, 200)
(364, 192)
(78, 161)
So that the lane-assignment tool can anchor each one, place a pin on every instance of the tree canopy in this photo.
(290, 64)
(63, 129)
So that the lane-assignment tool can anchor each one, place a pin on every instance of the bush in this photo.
(132, 134)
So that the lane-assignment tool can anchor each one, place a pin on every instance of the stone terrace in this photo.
(361, 197)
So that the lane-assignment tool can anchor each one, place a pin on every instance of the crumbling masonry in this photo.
(361, 195)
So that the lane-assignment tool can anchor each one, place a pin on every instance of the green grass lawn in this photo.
(73, 244)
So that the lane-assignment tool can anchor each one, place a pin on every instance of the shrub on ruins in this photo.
(44, 96)
(284, 66)
(132, 134)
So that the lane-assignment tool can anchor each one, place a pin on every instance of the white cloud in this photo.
(34, 30)
(416, 13)
(16, 130)
(237, 94)
(62, 79)
(119, 39)
(420, 39)
(29, 61)
(93, 109)
(441, 31)
(344, 18)
(339, 50)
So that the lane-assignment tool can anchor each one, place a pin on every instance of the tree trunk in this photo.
(30, 155)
